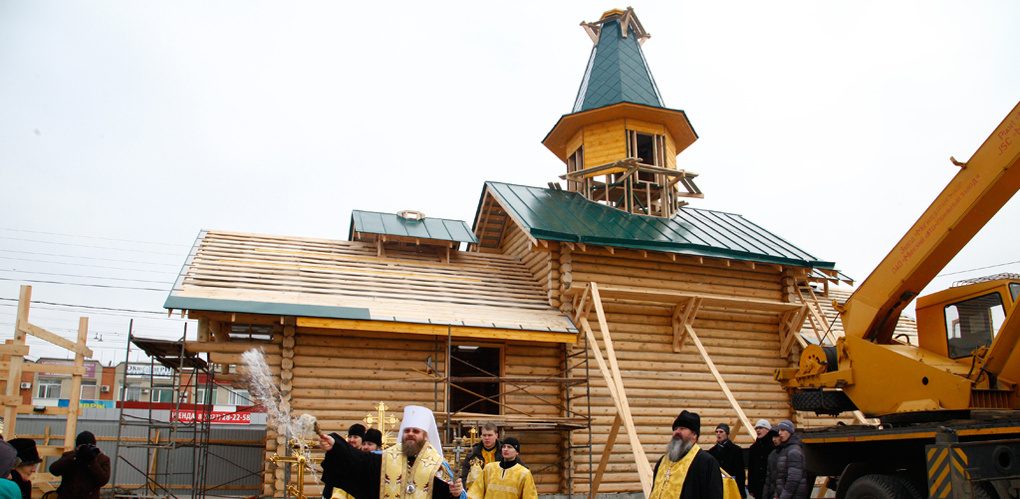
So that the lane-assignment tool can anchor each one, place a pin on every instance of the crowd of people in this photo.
(774, 464)
(355, 467)
(82, 471)
(414, 467)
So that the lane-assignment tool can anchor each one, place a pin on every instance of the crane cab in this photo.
(956, 322)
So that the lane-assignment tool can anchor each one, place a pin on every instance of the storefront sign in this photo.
(215, 417)
(88, 404)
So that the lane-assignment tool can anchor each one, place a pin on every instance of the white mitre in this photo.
(416, 416)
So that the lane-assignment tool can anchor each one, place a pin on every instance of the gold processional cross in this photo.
(386, 422)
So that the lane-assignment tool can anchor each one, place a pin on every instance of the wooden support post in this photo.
(722, 383)
(150, 481)
(644, 469)
(14, 369)
(814, 315)
(606, 452)
(790, 324)
(74, 402)
(683, 316)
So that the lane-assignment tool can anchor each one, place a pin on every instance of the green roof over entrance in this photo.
(389, 224)
(617, 71)
(556, 215)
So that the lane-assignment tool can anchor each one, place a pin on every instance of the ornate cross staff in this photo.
(386, 422)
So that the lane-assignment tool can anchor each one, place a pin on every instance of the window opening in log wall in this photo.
(474, 394)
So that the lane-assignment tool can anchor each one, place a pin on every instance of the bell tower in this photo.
(620, 142)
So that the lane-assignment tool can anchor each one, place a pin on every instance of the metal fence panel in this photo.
(230, 469)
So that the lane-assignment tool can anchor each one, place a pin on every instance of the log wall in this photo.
(659, 383)
(339, 377)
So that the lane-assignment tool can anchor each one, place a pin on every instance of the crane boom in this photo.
(981, 187)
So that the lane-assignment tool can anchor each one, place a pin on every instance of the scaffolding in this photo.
(173, 453)
(572, 378)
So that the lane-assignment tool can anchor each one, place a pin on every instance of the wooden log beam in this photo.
(437, 330)
(607, 451)
(14, 350)
(683, 316)
(74, 406)
(53, 338)
(790, 328)
(16, 361)
(230, 347)
(673, 297)
(644, 469)
(54, 369)
(722, 383)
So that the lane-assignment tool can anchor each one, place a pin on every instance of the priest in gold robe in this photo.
(411, 469)
(507, 478)
(686, 471)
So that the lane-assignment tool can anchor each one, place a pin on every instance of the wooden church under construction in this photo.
(580, 317)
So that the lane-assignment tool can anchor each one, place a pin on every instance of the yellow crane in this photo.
(954, 394)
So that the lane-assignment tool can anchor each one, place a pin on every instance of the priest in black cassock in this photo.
(686, 471)
(408, 470)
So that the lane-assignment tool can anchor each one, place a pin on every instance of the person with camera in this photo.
(82, 471)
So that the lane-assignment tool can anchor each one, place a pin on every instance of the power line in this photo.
(77, 264)
(64, 255)
(104, 286)
(979, 268)
(93, 313)
(40, 342)
(10, 229)
(91, 307)
(97, 323)
(84, 276)
(112, 248)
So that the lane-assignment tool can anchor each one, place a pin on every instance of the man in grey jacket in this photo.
(791, 474)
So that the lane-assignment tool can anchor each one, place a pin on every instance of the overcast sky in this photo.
(127, 127)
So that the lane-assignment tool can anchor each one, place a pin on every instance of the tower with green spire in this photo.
(620, 142)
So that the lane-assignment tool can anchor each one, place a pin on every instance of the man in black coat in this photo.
(82, 471)
(729, 455)
(758, 459)
(702, 479)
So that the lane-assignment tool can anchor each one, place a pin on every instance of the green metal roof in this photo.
(556, 215)
(265, 308)
(617, 72)
(372, 222)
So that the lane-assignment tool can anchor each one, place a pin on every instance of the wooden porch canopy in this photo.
(345, 285)
(589, 296)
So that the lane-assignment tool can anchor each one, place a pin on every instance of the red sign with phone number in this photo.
(218, 417)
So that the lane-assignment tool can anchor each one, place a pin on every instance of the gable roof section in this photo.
(616, 72)
(344, 280)
(556, 215)
(439, 229)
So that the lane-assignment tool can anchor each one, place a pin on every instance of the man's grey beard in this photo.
(411, 448)
(677, 448)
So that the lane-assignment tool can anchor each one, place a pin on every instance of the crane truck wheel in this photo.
(877, 487)
(911, 490)
(980, 492)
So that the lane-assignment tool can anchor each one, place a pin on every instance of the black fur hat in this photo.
(373, 435)
(356, 430)
(27, 451)
(689, 420)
